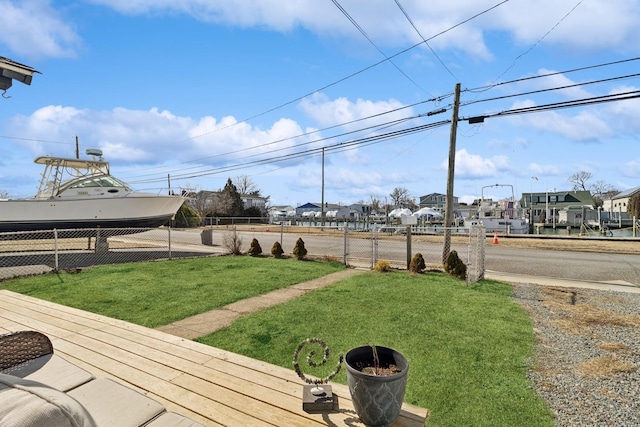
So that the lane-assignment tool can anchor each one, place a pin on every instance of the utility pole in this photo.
(77, 148)
(322, 212)
(448, 212)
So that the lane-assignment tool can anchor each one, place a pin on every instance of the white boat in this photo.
(502, 217)
(78, 193)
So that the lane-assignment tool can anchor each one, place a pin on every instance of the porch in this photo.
(212, 386)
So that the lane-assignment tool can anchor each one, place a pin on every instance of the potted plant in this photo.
(377, 378)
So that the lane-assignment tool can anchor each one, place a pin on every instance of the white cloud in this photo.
(159, 135)
(632, 169)
(470, 166)
(611, 24)
(586, 125)
(33, 29)
(341, 110)
(560, 80)
(543, 170)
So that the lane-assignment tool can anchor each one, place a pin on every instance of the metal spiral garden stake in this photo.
(316, 398)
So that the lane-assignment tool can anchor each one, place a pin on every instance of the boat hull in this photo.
(134, 210)
(503, 226)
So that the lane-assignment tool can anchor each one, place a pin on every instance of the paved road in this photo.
(602, 267)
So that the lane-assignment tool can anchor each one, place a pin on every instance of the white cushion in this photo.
(26, 403)
(52, 370)
(113, 404)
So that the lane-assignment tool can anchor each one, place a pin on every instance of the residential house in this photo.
(255, 201)
(204, 201)
(315, 208)
(436, 201)
(620, 202)
(561, 207)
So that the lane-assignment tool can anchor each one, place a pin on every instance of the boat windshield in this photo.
(99, 181)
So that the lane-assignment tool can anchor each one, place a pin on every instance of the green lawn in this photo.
(468, 347)
(158, 293)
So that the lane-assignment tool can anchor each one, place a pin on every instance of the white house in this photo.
(619, 202)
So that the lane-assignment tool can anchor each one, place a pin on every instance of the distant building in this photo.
(281, 213)
(205, 201)
(436, 201)
(560, 207)
(254, 201)
(316, 208)
(620, 201)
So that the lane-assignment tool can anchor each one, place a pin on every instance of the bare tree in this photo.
(579, 180)
(197, 200)
(601, 191)
(4, 194)
(400, 197)
(245, 185)
(375, 203)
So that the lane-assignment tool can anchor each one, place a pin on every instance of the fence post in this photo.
(55, 248)
(408, 246)
(169, 231)
(374, 244)
(345, 258)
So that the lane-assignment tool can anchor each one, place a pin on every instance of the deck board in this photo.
(210, 385)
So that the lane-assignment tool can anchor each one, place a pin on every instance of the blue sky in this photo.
(204, 90)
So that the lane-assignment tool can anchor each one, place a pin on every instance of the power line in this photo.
(422, 37)
(628, 76)
(359, 28)
(340, 146)
(622, 96)
(536, 43)
(573, 70)
(35, 140)
(349, 76)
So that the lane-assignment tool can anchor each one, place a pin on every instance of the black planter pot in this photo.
(376, 399)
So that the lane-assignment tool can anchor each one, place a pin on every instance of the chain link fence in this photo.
(28, 253)
(36, 252)
(397, 245)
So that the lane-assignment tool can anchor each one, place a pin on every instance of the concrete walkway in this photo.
(214, 320)
(617, 285)
(211, 321)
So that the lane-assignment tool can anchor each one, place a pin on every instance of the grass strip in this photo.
(158, 293)
(468, 347)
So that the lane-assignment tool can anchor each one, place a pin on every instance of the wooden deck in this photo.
(212, 386)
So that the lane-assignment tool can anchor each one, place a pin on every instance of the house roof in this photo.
(12, 70)
(571, 199)
(627, 193)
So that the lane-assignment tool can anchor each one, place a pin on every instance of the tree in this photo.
(4, 194)
(229, 201)
(400, 196)
(601, 191)
(375, 203)
(199, 201)
(579, 180)
(245, 185)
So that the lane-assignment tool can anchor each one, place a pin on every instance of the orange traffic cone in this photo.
(495, 238)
